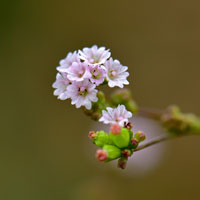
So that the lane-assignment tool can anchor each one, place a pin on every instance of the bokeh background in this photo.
(43, 141)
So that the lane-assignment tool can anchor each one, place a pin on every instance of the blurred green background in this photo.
(42, 143)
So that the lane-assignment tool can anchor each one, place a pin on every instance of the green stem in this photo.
(161, 138)
(155, 141)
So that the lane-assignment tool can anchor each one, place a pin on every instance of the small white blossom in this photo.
(60, 85)
(82, 93)
(97, 74)
(67, 62)
(78, 72)
(117, 115)
(116, 73)
(94, 55)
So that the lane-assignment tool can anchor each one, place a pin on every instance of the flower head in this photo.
(116, 73)
(60, 85)
(117, 115)
(94, 55)
(82, 93)
(78, 71)
(67, 62)
(97, 74)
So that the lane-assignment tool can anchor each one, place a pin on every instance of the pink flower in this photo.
(82, 93)
(116, 73)
(60, 85)
(97, 74)
(78, 72)
(94, 55)
(67, 62)
(117, 115)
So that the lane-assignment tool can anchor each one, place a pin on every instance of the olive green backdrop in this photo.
(43, 140)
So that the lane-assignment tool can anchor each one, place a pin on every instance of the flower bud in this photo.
(95, 116)
(121, 140)
(102, 138)
(123, 96)
(126, 153)
(132, 106)
(116, 129)
(122, 163)
(101, 96)
(101, 155)
(112, 151)
(92, 135)
(134, 143)
(140, 136)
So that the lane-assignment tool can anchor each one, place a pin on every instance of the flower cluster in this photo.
(82, 71)
(117, 115)
(120, 143)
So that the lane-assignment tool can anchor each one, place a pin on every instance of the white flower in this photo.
(82, 93)
(117, 115)
(97, 74)
(116, 73)
(94, 55)
(67, 62)
(78, 72)
(60, 85)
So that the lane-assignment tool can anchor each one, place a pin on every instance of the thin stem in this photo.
(155, 141)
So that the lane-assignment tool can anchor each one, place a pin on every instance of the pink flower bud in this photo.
(134, 143)
(92, 135)
(126, 153)
(122, 163)
(116, 129)
(101, 155)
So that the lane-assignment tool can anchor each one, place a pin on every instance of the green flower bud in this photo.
(112, 152)
(123, 96)
(122, 139)
(140, 136)
(132, 106)
(102, 138)
(101, 97)
(177, 122)
(122, 163)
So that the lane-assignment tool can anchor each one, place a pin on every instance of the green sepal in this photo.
(121, 140)
(112, 151)
(102, 139)
(131, 134)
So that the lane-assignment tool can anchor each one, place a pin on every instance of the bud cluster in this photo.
(119, 143)
(124, 96)
(179, 123)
